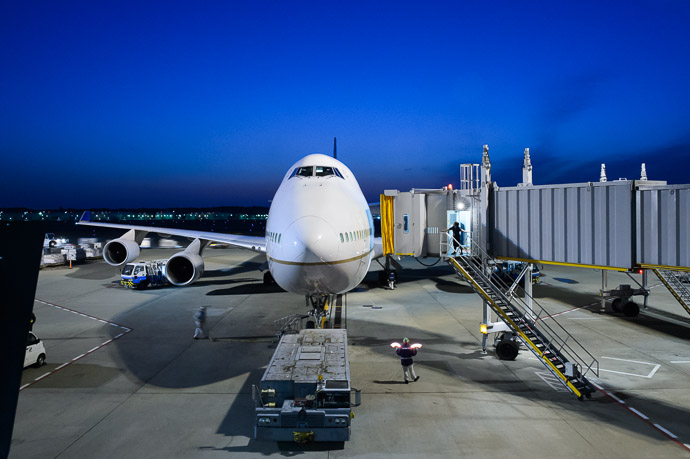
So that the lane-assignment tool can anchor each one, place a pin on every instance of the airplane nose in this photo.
(311, 240)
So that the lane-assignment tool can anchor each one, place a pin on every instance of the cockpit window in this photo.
(304, 171)
(322, 171)
(337, 172)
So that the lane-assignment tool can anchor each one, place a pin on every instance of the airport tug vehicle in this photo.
(305, 393)
(142, 274)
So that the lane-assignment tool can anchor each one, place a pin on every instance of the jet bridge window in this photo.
(323, 171)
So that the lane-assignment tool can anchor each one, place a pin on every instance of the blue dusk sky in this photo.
(172, 104)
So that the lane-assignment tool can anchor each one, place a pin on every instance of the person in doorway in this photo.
(406, 353)
(458, 230)
(200, 322)
(32, 321)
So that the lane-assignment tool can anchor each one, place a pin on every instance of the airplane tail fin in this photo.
(86, 216)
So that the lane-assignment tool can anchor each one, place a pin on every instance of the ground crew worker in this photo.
(406, 353)
(200, 322)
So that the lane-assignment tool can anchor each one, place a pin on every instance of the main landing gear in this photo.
(388, 276)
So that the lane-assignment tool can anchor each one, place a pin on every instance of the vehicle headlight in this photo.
(264, 421)
(341, 421)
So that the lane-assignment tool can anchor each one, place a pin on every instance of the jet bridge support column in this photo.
(528, 288)
(604, 285)
(486, 318)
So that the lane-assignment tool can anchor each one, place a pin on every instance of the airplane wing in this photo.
(257, 244)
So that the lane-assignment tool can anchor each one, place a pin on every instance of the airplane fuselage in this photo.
(319, 232)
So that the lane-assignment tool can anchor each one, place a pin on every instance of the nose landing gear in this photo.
(319, 305)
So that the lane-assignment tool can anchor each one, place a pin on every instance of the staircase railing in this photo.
(574, 361)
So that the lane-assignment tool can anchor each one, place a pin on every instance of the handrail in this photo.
(531, 315)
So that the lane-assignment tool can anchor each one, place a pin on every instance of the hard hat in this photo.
(406, 340)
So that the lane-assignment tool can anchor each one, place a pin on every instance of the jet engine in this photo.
(120, 251)
(185, 267)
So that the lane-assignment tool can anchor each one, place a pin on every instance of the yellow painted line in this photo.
(540, 353)
(560, 263)
(319, 263)
(666, 268)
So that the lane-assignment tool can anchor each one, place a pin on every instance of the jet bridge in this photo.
(615, 225)
(621, 225)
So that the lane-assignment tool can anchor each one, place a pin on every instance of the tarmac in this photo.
(124, 378)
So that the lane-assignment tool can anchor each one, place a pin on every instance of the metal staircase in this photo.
(671, 279)
(552, 344)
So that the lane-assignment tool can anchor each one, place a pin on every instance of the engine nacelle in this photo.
(120, 251)
(184, 268)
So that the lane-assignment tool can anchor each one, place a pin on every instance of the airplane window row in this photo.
(273, 237)
(317, 171)
(355, 235)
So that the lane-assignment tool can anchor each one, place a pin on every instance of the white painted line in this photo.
(597, 385)
(624, 373)
(127, 330)
(651, 373)
(648, 376)
(616, 398)
(553, 382)
(626, 360)
(638, 413)
(686, 445)
(665, 431)
(680, 361)
(43, 376)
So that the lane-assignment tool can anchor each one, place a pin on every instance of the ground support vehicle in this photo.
(305, 393)
(35, 352)
(143, 274)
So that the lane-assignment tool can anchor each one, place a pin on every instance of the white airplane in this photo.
(319, 234)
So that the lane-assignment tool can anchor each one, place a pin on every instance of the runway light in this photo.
(450, 186)
(482, 328)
